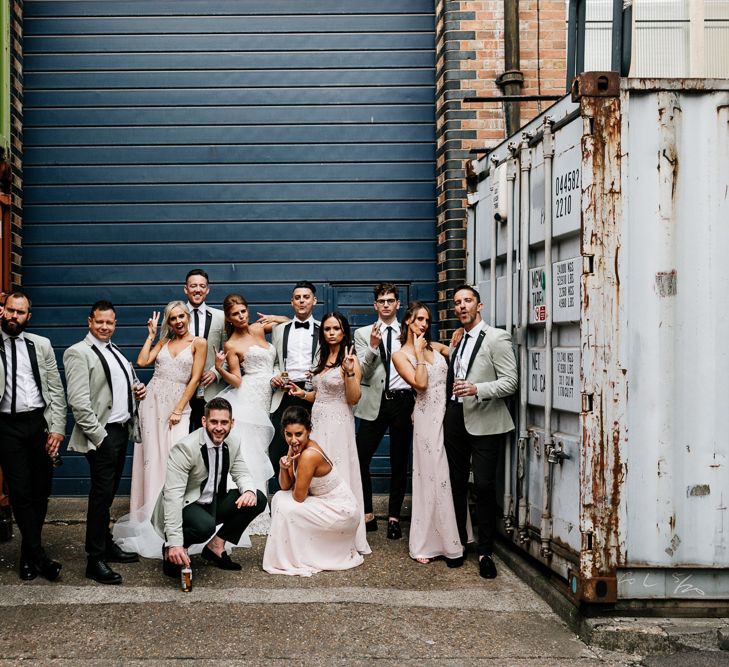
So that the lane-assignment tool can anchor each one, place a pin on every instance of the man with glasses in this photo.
(387, 402)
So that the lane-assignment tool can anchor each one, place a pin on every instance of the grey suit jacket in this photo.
(277, 340)
(215, 336)
(47, 377)
(89, 395)
(187, 473)
(373, 375)
(492, 369)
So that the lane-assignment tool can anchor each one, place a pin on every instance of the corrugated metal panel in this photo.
(265, 142)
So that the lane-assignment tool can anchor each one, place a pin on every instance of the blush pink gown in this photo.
(317, 534)
(333, 429)
(433, 529)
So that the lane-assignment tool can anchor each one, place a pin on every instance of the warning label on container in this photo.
(566, 374)
(565, 281)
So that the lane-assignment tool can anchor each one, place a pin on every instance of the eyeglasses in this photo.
(386, 302)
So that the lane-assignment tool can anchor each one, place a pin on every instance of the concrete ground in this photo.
(390, 609)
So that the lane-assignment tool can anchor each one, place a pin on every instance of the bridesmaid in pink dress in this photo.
(315, 515)
(178, 359)
(335, 391)
(422, 364)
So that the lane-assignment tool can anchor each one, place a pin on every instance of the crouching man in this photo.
(195, 498)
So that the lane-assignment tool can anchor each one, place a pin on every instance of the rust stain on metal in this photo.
(603, 428)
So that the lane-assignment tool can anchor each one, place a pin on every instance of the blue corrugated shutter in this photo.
(265, 142)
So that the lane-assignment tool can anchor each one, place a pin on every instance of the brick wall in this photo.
(16, 133)
(469, 59)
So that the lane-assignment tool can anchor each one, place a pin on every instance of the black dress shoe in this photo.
(487, 567)
(394, 532)
(48, 569)
(98, 570)
(223, 561)
(455, 562)
(27, 570)
(371, 525)
(115, 554)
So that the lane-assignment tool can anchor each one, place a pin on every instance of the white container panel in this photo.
(566, 290)
(676, 280)
(536, 197)
(566, 493)
(566, 179)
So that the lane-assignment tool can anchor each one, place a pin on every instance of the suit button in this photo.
(109, 407)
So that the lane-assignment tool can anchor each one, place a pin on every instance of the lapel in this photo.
(451, 364)
(314, 341)
(2, 355)
(33, 362)
(208, 322)
(105, 366)
(285, 343)
(476, 348)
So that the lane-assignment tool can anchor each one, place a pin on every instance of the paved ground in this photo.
(390, 609)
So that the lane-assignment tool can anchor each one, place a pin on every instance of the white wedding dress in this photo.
(251, 403)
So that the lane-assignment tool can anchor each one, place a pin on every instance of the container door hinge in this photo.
(588, 264)
(587, 402)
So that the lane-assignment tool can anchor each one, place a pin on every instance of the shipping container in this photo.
(597, 236)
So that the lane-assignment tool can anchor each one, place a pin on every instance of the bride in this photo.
(246, 364)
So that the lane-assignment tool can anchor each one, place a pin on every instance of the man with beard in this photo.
(195, 498)
(32, 427)
(481, 373)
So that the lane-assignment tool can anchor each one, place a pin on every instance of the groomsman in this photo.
(195, 498)
(297, 346)
(477, 417)
(101, 391)
(387, 402)
(32, 427)
(208, 323)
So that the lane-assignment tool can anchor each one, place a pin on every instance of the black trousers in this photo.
(199, 521)
(278, 446)
(395, 414)
(28, 473)
(482, 452)
(106, 464)
(197, 412)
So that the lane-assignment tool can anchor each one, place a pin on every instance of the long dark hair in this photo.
(228, 303)
(413, 308)
(324, 346)
(295, 414)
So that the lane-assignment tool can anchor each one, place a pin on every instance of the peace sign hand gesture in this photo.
(348, 360)
(152, 323)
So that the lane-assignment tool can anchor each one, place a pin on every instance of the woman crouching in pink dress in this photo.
(314, 518)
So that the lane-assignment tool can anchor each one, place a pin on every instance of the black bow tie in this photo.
(301, 325)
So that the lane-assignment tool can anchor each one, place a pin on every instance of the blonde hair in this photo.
(166, 329)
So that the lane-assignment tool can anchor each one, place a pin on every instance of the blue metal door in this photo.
(265, 142)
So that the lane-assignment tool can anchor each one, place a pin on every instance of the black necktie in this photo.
(130, 400)
(301, 325)
(196, 315)
(388, 356)
(215, 479)
(14, 361)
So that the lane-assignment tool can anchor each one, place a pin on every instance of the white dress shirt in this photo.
(119, 387)
(202, 311)
(215, 470)
(27, 394)
(465, 351)
(396, 382)
(298, 352)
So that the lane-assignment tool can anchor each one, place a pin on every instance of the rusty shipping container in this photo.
(598, 236)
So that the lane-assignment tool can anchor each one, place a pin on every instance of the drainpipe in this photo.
(522, 341)
(546, 518)
(511, 80)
